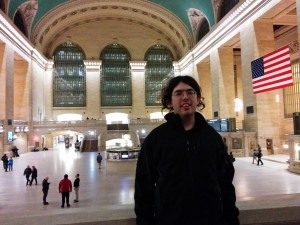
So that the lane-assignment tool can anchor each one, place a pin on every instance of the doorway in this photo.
(270, 146)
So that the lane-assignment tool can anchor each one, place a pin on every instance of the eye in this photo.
(191, 92)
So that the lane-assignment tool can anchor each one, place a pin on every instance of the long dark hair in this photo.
(166, 93)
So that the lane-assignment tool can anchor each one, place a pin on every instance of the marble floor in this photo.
(106, 195)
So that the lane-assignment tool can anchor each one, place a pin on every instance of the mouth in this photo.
(185, 105)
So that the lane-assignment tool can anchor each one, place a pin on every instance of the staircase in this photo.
(89, 146)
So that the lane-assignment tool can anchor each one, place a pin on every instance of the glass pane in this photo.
(115, 76)
(292, 93)
(69, 83)
(159, 69)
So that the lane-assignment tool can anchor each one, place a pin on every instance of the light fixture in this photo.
(238, 105)
(17, 129)
(21, 129)
(1, 129)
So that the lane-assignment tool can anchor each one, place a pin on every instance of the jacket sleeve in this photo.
(144, 195)
(226, 173)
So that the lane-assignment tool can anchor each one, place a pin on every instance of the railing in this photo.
(59, 123)
(91, 122)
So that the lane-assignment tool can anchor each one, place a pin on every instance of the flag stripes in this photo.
(272, 71)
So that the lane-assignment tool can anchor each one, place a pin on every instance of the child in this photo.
(10, 164)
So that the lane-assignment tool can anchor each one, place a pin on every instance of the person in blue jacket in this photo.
(184, 174)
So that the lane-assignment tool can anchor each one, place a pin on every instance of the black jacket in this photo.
(45, 185)
(76, 182)
(27, 171)
(34, 173)
(184, 177)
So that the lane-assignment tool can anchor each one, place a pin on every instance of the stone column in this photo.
(227, 85)
(222, 74)
(138, 89)
(2, 95)
(93, 90)
(7, 93)
(48, 91)
(215, 83)
(205, 82)
(248, 54)
(22, 104)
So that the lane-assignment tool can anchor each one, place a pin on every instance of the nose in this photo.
(185, 94)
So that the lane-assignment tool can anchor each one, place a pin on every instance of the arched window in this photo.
(159, 69)
(291, 94)
(115, 76)
(226, 6)
(203, 29)
(199, 23)
(69, 83)
(19, 22)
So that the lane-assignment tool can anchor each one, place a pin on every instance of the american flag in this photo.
(272, 71)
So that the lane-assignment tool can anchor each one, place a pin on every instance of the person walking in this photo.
(45, 189)
(65, 187)
(5, 162)
(76, 187)
(34, 175)
(259, 155)
(184, 173)
(99, 160)
(27, 173)
(255, 152)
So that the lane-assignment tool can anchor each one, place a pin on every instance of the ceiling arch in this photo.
(66, 19)
(178, 8)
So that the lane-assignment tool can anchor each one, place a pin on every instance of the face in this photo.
(184, 100)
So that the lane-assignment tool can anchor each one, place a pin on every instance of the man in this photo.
(45, 190)
(254, 158)
(184, 173)
(34, 175)
(5, 162)
(77, 145)
(76, 187)
(27, 173)
(65, 187)
(259, 155)
(99, 160)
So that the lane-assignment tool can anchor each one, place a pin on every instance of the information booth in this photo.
(122, 159)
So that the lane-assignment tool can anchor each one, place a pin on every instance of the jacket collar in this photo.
(174, 119)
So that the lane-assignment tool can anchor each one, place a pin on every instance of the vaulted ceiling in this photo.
(136, 24)
(178, 8)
